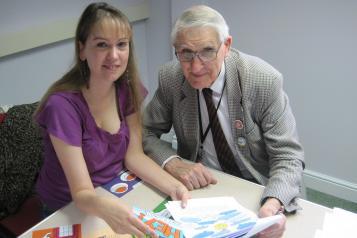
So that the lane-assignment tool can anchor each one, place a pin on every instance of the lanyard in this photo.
(204, 135)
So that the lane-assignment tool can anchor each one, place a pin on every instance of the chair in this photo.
(28, 215)
(20, 162)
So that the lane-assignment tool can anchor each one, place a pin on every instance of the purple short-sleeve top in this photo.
(66, 116)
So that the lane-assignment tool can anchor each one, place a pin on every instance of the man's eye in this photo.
(208, 51)
(102, 45)
(187, 53)
(184, 50)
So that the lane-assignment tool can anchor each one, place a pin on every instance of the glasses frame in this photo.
(198, 55)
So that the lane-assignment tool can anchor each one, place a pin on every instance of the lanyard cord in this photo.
(204, 135)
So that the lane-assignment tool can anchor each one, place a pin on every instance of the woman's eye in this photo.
(122, 45)
(102, 45)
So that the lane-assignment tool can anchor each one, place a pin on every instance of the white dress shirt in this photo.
(210, 158)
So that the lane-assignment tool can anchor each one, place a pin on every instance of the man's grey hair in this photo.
(201, 16)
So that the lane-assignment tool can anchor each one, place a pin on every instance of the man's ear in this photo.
(81, 51)
(227, 43)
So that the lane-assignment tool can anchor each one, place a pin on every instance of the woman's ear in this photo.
(81, 51)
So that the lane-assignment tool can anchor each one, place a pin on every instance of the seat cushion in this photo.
(28, 215)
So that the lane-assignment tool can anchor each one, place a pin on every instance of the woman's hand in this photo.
(122, 220)
(180, 192)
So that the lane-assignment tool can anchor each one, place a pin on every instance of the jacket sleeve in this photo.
(157, 120)
(286, 157)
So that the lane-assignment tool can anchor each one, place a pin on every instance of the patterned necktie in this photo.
(224, 154)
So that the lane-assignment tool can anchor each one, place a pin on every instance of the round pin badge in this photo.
(239, 124)
(241, 141)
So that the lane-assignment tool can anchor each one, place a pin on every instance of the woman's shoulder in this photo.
(65, 98)
(67, 101)
(69, 96)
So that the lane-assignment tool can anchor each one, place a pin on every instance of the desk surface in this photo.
(303, 224)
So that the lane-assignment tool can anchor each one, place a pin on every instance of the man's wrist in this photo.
(172, 158)
(276, 203)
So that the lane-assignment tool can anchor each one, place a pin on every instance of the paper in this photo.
(217, 217)
(338, 223)
(262, 224)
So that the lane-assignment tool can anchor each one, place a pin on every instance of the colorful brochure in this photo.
(163, 227)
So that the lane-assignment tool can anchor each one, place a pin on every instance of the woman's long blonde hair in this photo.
(78, 76)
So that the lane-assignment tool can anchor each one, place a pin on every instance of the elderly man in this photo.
(229, 112)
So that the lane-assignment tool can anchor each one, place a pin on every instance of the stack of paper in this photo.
(338, 223)
(218, 217)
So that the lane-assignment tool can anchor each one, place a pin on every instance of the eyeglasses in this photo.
(204, 55)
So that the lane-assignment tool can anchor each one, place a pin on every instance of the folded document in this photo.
(218, 217)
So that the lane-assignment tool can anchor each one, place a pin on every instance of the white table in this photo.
(303, 224)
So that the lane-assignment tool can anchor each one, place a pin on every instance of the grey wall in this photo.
(158, 28)
(25, 76)
(311, 42)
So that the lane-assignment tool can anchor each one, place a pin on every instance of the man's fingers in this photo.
(209, 177)
(186, 181)
(193, 176)
(194, 181)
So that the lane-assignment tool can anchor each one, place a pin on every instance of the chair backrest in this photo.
(20, 157)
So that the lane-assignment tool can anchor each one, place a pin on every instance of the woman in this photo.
(91, 122)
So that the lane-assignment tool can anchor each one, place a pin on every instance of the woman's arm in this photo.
(118, 216)
(145, 168)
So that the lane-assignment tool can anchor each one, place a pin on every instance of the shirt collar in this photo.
(219, 82)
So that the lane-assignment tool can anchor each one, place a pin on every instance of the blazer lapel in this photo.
(235, 102)
(234, 97)
(189, 117)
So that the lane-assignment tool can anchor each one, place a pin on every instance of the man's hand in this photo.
(271, 207)
(193, 176)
